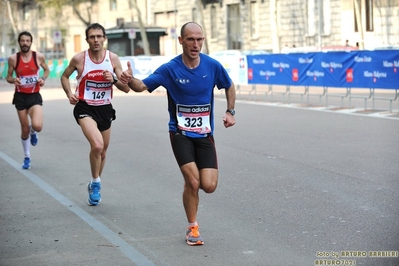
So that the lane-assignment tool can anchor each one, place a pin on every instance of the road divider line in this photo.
(130, 252)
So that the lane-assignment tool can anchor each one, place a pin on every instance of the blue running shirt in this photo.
(190, 93)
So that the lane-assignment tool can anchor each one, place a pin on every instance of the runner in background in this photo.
(27, 99)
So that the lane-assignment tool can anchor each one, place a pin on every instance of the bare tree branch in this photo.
(10, 16)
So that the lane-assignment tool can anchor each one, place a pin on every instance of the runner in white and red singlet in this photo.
(97, 71)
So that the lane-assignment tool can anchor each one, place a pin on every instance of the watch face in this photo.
(231, 111)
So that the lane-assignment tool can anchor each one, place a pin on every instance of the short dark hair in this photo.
(185, 25)
(94, 26)
(25, 33)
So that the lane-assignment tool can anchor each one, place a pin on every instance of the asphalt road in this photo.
(297, 186)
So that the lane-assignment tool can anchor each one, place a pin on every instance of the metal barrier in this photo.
(272, 94)
(319, 95)
(251, 92)
(395, 97)
(360, 97)
(306, 91)
(287, 89)
(342, 96)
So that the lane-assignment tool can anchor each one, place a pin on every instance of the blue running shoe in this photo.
(94, 189)
(34, 138)
(26, 164)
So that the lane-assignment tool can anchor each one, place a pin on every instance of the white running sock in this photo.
(26, 146)
(193, 224)
(96, 179)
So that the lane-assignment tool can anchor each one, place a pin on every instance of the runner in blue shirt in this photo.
(190, 79)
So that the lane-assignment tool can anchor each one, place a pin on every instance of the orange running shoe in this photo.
(193, 237)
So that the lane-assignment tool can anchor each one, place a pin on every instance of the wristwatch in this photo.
(231, 111)
(115, 79)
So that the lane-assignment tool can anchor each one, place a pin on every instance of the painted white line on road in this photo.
(347, 111)
(130, 252)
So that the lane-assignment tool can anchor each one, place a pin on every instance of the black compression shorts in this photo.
(102, 114)
(202, 151)
(24, 101)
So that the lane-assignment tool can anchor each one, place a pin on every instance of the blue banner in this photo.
(355, 69)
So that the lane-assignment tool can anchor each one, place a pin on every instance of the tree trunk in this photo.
(143, 32)
(86, 22)
(275, 36)
(14, 27)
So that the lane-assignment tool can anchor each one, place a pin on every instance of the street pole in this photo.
(200, 8)
(176, 34)
(320, 24)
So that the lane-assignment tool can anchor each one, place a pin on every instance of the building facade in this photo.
(267, 25)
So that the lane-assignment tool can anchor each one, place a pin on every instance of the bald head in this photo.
(190, 26)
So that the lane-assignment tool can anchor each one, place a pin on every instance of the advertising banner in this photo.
(235, 65)
(355, 69)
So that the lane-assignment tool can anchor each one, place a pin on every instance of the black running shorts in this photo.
(24, 101)
(102, 114)
(202, 151)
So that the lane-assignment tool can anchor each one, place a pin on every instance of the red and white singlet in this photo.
(28, 73)
(92, 87)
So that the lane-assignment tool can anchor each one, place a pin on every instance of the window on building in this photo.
(369, 15)
(386, 3)
(25, 11)
(326, 18)
(253, 13)
(194, 14)
(43, 44)
(42, 12)
(318, 19)
(213, 22)
(77, 43)
(359, 4)
(112, 5)
(234, 27)
(311, 23)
